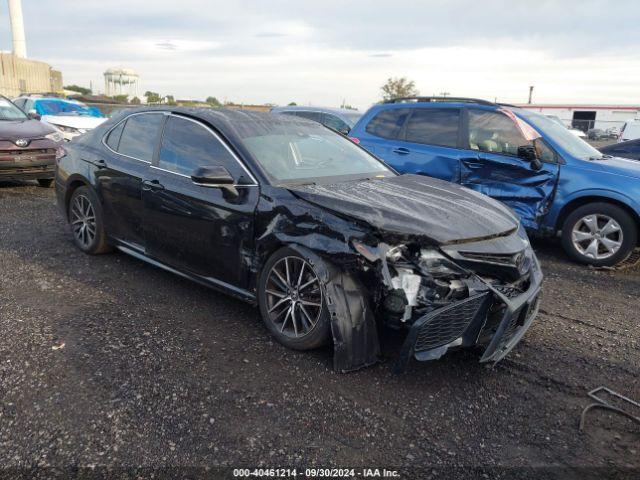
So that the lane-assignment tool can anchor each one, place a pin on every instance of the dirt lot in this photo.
(105, 361)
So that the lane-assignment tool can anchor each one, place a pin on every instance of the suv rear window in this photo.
(388, 123)
(434, 126)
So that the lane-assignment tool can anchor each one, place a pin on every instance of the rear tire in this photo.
(86, 221)
(599, 234)
(291, 300)
(45, 182)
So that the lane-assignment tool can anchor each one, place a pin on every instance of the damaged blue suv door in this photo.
(555, 182)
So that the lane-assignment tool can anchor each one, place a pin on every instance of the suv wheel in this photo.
(292, 301)
(599, 234)
(87, 222)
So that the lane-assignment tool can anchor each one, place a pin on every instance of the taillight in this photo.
(355, 140)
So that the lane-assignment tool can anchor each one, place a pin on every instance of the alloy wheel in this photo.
(597, 236)
(83, 220)
(294, 297)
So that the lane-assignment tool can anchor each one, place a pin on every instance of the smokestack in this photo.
(17, 28)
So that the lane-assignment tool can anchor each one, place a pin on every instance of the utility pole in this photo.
(444, 94)
(530, 94)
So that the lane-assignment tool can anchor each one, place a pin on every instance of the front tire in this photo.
(291, 300)
(599, 234)
(86, 221)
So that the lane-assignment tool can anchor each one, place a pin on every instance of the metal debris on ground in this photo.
(605, 405)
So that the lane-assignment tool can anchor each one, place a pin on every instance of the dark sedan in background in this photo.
(629, 149)
(286, 214)
(28, 147)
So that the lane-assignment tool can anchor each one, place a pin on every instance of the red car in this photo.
(28, 147)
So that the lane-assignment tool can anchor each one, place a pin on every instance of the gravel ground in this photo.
(106, 361)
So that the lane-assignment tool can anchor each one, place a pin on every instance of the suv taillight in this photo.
(355, 140)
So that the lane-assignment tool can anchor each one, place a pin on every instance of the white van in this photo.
(630, 130)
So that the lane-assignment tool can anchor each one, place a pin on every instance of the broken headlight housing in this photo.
(437, 265)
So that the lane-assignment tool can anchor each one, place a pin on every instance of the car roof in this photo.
(301, 108)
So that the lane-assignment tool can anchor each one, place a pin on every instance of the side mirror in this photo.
(33, 115)
(528, 153)
(345, 131)
(215, 176)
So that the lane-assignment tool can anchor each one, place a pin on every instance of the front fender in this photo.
(562, 201)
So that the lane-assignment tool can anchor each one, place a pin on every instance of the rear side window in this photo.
(113, 140)
(139, 136)
(388, 123)
(187, 145)
(434, 126)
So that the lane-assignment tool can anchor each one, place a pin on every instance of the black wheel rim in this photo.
(83, 220)
(294, 297)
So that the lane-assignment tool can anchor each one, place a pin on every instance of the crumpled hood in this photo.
(74, 121)
(409, 205)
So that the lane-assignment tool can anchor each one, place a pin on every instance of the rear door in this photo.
(423, 141)
(129, 151)
(196, 228)
(496, 170)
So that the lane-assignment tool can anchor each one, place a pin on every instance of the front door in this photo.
(202, 230)
(497, 171)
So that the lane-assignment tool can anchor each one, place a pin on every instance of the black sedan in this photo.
(284, 213)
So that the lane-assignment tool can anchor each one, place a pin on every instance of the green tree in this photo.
(120, 98)
(80, 90)
(170, 100)
(135, 101)
(398, 88)
(292, 104)
(213, 101)
(152, 97)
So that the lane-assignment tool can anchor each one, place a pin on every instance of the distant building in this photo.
(121, 81)
(586, 117)
(19, 75)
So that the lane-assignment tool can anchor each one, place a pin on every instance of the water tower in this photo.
(121, 81)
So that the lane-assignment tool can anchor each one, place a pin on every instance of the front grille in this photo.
(448, 324)
(27, 154)
(508, 291)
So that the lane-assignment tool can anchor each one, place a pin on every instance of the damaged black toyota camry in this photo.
(330, 243)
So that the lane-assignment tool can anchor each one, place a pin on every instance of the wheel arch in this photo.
(587, 199)
(73, 183)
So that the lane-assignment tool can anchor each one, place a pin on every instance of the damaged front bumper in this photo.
(495, 317)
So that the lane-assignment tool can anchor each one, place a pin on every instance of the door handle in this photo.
(402, 151)
(474, 165)
(152, 185)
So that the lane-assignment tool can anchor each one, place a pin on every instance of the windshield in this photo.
(63, 107)
(561, 135)
(306, 153)
(8, 111)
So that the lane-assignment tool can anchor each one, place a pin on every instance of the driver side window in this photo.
(494, 133)
(186, 145)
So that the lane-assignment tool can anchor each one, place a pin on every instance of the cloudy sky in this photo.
(324, 52)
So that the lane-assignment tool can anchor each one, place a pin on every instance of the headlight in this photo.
(68, 129)
(55, 136)
(437, 264)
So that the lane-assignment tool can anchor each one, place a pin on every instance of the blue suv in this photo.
(556, 182)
